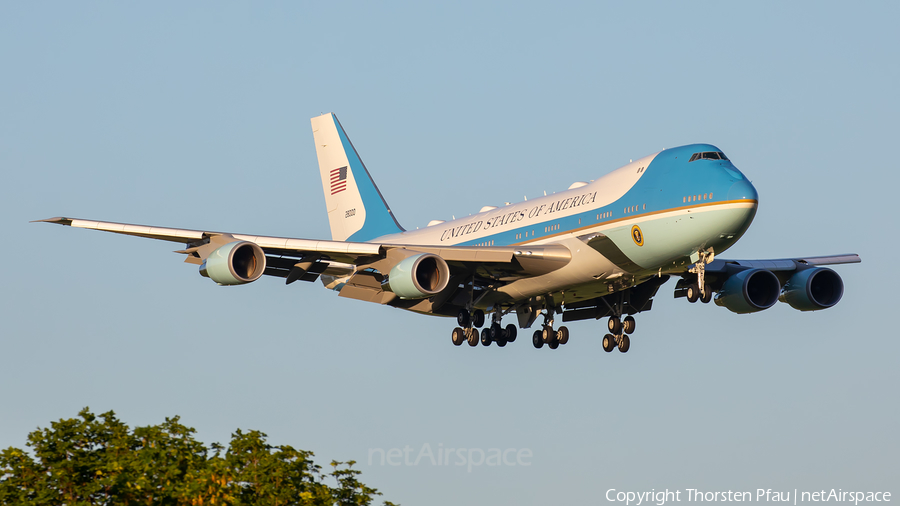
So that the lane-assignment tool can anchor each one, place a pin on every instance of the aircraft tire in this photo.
(554, 343)
(614, 325)
(707, 294)
(693, 293)
(472, 336)
(548, 335)
(510, 333)
(628, 325)
(457, 336)
(496, 331)
(462, 318)
(501, 343)
(478, 318)
(562, 335)
(537, 339)
(624, 343)
(486, 337)
(609, 343)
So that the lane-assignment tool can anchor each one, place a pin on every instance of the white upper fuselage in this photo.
(493, 227)
(645, 218)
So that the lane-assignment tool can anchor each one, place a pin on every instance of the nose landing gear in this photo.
(701, 290)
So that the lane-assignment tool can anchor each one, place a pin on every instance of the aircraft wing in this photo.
(720, 269)
(340, 251)
(305, 259)
(783, 264)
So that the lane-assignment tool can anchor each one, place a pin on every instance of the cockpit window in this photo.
(708, 155)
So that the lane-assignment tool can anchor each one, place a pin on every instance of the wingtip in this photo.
(59, 219)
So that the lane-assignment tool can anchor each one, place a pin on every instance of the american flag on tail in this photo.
(338, 180)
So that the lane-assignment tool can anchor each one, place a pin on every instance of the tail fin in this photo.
(356, 209)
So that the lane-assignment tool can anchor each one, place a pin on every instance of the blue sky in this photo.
(197, 116)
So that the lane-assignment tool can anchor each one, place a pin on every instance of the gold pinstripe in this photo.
(634, 216)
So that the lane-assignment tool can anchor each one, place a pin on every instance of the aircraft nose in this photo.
(742, 190)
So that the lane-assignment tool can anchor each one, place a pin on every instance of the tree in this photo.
(98, 460)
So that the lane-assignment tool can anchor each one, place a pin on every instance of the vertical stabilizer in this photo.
(356, 209)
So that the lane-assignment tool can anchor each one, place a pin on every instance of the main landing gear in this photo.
(471, 322)
(619, 329)
(468, 331)
(552, 338)
(618, 336)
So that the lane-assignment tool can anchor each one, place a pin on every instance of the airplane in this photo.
(600, 249)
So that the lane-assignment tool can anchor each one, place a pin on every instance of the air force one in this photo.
(601, 249)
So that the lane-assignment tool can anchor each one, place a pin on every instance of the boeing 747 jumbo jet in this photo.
(600, 249)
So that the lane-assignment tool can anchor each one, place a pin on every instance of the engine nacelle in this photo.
(235, 263)
(813, 289)
(749, 291)
(419, 276)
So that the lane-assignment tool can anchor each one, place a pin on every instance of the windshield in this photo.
(708, 155)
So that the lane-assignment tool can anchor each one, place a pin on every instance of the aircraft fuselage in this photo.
(644, 219)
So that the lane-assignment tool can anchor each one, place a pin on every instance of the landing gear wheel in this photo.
(472, 336)
(478, 318)
(486, 337)
(614, 325)
(628, 325)
(707, 294)
(458, 336)
(510, 333)
(562, 335)
(609, 343)
(546, 334)
(537, 340)
(624, 343)
(693, 293)
(496, 331)
(501, 343)
(554, 342)
(462, 318)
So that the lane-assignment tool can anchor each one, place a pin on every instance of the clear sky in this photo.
(196, 115)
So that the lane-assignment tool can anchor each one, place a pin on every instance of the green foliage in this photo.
(98, 460)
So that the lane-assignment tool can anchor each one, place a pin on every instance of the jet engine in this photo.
(419, 276)
(813, 289)
(235, 263)
(749, 291)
